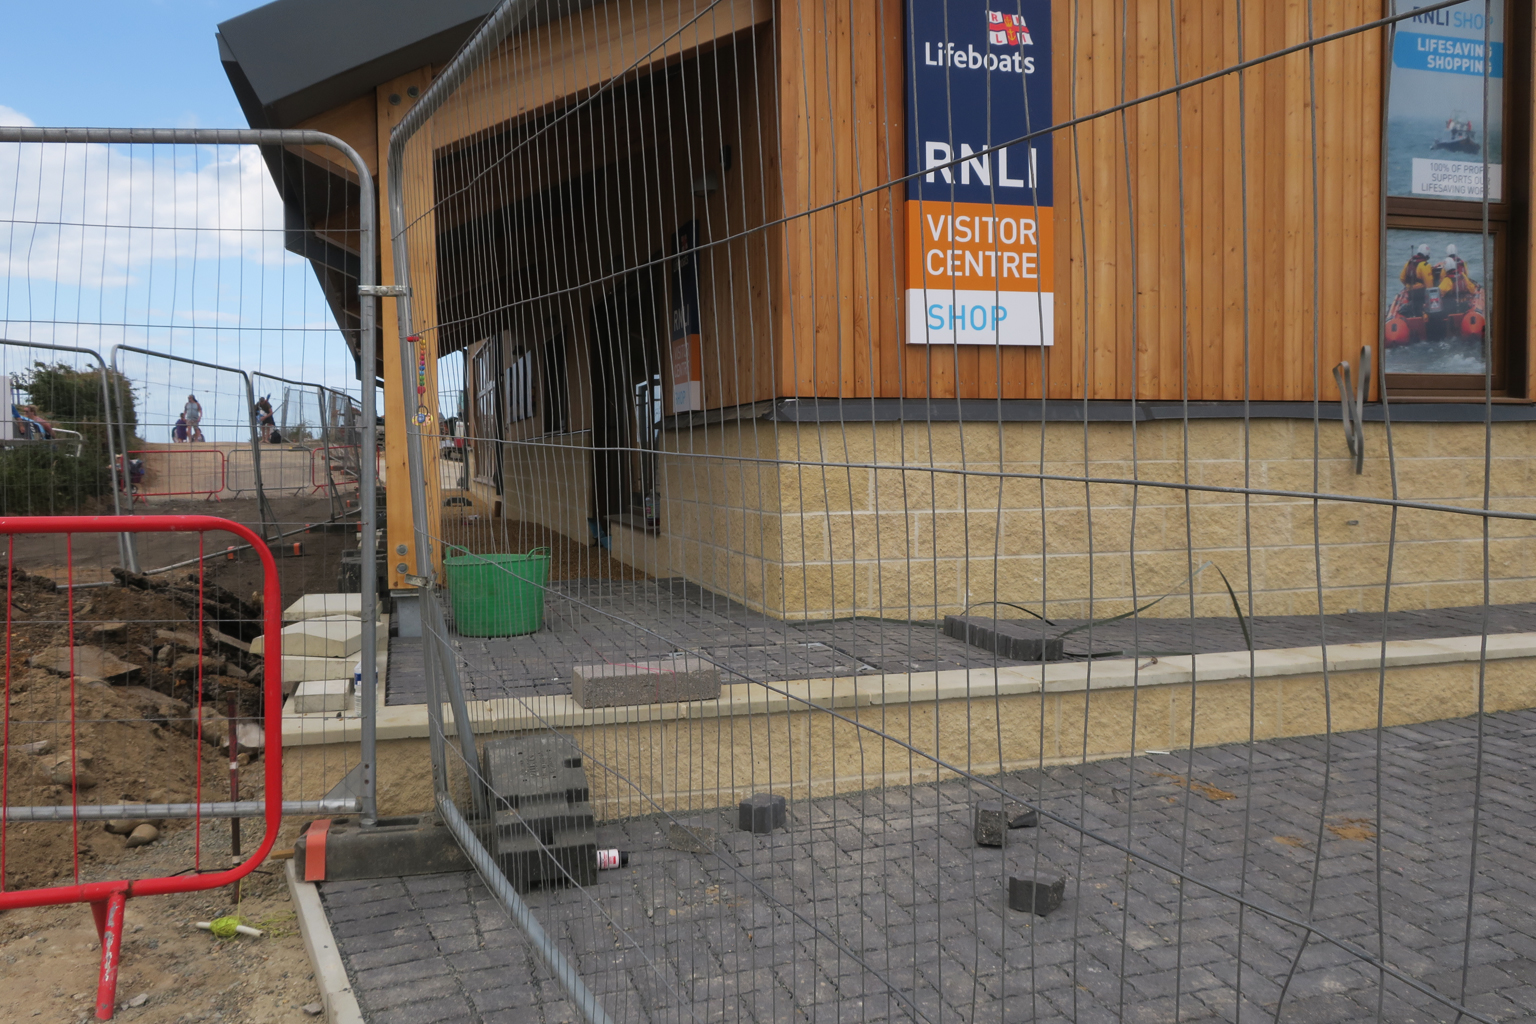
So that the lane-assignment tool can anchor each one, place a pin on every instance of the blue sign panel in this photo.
(979, 75)
(979, 221)
(1417, 51)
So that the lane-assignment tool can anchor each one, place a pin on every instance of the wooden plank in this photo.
(892, 163)
(560, 62)
(1196, 102)
(356, 124)
(397, 475)
(1338, 123)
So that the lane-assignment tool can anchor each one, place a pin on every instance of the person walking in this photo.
(192, 412)
(266, 423)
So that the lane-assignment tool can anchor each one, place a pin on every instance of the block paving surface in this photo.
(600, 620)
(878, 905)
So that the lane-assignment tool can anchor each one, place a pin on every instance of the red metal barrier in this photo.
(220, 476)
(107, 899)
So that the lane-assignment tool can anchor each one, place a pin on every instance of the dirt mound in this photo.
(129, 745)
(153, 737)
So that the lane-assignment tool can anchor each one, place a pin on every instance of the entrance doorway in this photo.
(626, 393)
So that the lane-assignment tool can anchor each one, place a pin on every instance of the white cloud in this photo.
(11, 118)
(91, 215)
(179, 249)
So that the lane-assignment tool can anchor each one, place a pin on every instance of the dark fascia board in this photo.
(292, 59)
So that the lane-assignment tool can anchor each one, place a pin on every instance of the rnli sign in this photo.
(978, 209)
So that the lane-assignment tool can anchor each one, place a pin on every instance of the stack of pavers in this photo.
(322, 647)
(537, 791)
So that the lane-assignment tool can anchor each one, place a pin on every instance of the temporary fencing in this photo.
(173, 472)
(188, 258)
(307, 414)
(230, 411)
(61, 701)
(964, 603)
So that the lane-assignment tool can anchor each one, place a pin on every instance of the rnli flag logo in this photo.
(1007, 30)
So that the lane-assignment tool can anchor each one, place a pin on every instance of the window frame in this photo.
(1508, 227)
(484, 407)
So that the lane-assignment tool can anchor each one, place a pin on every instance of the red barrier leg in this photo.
(109, 924)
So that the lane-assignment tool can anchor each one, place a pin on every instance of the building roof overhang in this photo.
(292, 59)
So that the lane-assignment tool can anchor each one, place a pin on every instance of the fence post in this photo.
(125, 545)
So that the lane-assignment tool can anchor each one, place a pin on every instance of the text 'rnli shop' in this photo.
(979, 225)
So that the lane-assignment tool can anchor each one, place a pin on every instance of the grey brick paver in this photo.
(889, 879)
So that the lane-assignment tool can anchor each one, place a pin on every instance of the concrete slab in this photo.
(302, 669)
(393, 847)
(319, 606)
(330, 637)
(315, 695)
(654, 681)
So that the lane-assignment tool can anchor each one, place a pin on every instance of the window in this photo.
(557, 387)
(1456, 127)
(520, 386)
(484, 427)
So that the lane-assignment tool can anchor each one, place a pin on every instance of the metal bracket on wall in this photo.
(1352, 395)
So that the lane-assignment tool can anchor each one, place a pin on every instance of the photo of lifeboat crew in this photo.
(1440, 300)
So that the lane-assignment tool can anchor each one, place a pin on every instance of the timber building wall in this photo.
(1182, 257)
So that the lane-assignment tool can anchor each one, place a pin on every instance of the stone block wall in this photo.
(918, 520)
(549, 481)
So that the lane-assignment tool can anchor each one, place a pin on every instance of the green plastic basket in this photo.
(497, 595)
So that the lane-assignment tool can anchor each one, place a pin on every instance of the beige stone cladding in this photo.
(548, 481)
(919, 519)
(719, 520)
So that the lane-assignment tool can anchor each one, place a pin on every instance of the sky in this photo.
(119, 63)
(174, 249)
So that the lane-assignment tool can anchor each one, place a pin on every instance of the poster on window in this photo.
(1445, 114)
(1437, 301)
(687, 349)
(978, 207)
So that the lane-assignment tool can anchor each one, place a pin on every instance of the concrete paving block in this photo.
(319, 606)
(314, 695)
(990, 826)
(761, 813)
(1038, 894)
(1023, 818)
(690, 838)
(547, 832)
(654, 681)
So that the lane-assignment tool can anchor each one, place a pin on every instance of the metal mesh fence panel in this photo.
(148, 276)
(912, 517)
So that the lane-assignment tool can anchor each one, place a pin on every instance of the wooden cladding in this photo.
(1219, 243)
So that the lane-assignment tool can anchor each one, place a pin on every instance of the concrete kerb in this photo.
(561, 710)
(336, 994)
(1127, 703)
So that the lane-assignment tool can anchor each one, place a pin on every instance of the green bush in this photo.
(72, 398)
(42, 479)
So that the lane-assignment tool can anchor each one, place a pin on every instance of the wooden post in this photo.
(393, 99)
